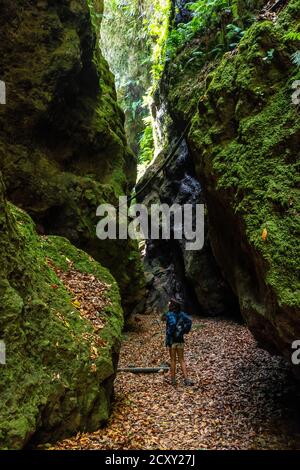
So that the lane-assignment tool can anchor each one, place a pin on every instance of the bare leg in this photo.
(173, 363)
(182, 363)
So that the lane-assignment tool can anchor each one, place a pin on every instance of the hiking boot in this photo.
(188, 382)
(170, 381)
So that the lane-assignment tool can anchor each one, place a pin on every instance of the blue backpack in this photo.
(183, 326)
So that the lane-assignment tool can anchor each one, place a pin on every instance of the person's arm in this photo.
(170, 329)
(163, 316)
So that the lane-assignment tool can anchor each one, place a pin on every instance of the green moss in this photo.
(246, 132)
(63, 148)
(146, 145)
(48, 386)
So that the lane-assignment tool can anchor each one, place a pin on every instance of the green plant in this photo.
(292, 36)
(296, 58)
(146, 145)
(206, 13)
(269, 56)
(197, 57)
(132, 106)
(217, 51)
(96, 17)
(136, 51)
(158, 26)
(234, 35)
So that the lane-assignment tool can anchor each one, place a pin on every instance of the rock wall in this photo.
(59, 371)
(192, 276)
(244, 141)
(63, 149)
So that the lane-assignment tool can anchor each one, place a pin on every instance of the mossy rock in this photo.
(51, 386)
(244, 139)
(63, 149)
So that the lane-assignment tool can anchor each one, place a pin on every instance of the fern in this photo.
(234, 35)
(269, 56)
(146, 144)
(292, 36)
(296, 58)
(206, 14)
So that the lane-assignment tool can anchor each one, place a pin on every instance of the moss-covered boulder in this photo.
(60, 363)
(63, 149)
(245, 143)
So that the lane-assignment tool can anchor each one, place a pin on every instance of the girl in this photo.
(176, 324)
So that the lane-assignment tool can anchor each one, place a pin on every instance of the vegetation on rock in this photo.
(59, 372)
(136, 52)
(230, 69)
(244, 137)
(250, 174)
(63, 149)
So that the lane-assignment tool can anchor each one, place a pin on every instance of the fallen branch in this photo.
(144, 370)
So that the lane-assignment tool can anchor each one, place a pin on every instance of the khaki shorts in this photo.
(177, 346)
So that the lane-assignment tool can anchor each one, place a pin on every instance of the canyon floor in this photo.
(243, 398)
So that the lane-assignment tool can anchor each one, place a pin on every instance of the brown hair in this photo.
(175, 306)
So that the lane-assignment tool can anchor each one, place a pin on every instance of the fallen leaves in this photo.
(89, 293)
(94, 368)
(241, 400)
(76, 304)
(264, 234)
(90, 299)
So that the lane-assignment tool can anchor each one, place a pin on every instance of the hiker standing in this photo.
(177, 325)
